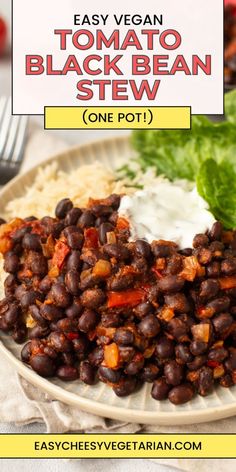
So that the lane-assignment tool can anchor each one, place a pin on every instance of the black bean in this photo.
(2, 221)
(197, 362)
(164, 348)
(67, 325)
(11, 262)
(222, 322)
(59, 342)
(45, 284)
(118, 251)
(43, 365)
(113, 200)
(89, 280)
(12, 315)
(230, 363)
(73, 261)
(160, 389)
(88, 320)
(149, 373)
(50, 312)
(111, 320)
(63, 207)
(86, 220)
(217, 248)
(74, 310)
(38, 332)
(218, 354)
(98, 209)
(20, 233)
(219, 304)
(183, 354)
(178, 302)
(200, 240)
(205, 381)
(106, 374)
(93, 298)
(126, 353)
(142, 248)
(198, 347)
(19, 334)
(96, 356)
(171, 284)
(228, 266)
(142, 309)
(67, 373)
(100, 220)
(213, 269)
(60, 295)
(87, 373)
(126, 386)
(120, 282)
(209, 288)
(10, 284)
(124, 336)
(173, 373)
(26, 352)
(161, 249)
(226, 381)
(80, 347)
(135, 365)
(178, 329)
(72, 282)
(75, 240)
(68, 358)
(174, 264)
(216, 231)
(19, 292)
(34, 311)
(39, 265)
(149, 326)
(31, 242)
(72, 216)
(29, 298)
(181, 394)
(104, 228)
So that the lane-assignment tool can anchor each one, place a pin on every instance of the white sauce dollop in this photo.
(167, 212)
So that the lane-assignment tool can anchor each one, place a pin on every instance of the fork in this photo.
(12, 139)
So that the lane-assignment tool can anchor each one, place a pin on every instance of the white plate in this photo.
(100, 399)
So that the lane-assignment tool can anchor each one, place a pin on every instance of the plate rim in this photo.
(93, 406)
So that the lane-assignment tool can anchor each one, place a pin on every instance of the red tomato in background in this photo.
(3, 35)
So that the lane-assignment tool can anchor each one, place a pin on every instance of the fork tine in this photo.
(11, 140)
(3, 101)
(5, 127)
(19, 143)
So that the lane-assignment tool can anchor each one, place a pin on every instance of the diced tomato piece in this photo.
(72, 336)
(213, 364)
(127, 297)
(91, 238)
(61, 251)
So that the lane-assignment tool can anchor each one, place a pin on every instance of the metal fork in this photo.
(12, 139)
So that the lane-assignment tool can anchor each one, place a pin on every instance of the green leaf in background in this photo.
(178, 154)
(216, 183)
(230, 106)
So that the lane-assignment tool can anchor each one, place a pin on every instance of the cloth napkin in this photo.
(22, 403)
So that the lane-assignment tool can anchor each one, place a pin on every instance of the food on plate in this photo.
(96, 301)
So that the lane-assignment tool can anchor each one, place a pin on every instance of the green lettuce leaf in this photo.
(216, 183)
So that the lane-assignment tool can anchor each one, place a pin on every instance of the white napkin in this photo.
(22, 403)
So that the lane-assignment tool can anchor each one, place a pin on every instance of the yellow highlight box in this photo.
(117, 117)
(92, 446)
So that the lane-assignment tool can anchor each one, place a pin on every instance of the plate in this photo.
(100, 399)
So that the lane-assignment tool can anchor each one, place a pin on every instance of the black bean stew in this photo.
(92, 305)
